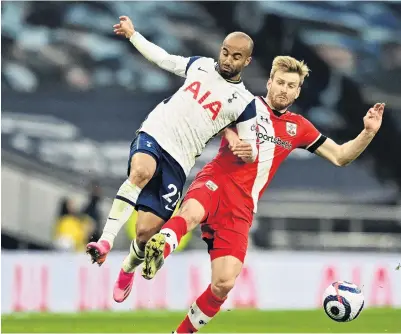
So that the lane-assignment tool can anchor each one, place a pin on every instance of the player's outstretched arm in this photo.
(342, 155)
(175, 64)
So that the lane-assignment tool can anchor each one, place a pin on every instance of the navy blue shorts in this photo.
(164, 190)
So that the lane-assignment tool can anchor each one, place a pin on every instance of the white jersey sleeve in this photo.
(175, 64)
(246, 127)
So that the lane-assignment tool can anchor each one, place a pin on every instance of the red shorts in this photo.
(228, 214)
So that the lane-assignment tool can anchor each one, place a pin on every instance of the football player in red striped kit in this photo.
(224, 195)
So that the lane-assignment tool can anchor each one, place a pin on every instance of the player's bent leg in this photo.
(142, 168)
(193, 212)
(147, 225)
(125, 280)
(162, 244)
(225, 270)
(189, 216)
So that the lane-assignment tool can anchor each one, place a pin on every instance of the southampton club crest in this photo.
(291, 128)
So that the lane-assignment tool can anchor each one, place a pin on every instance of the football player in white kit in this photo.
(173, 135)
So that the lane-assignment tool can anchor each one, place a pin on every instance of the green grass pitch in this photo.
(381, 320)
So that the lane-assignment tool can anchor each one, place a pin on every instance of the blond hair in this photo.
(290, 64)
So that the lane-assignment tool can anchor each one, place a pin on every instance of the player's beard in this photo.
(279, 103)
(228, 74)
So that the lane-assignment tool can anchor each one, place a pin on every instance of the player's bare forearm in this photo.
(239, 148)
(343, 155)
(230, 135)
(351, 150)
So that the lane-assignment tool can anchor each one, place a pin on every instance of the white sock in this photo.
(197, 318)
(133, 259)
(171, 238)
(122, 208)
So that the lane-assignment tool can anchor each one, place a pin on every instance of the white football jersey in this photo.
(204, 105)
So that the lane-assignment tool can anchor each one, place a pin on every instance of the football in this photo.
(343, 301)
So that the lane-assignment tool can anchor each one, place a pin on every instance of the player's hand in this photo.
(125, 27)
(243, 150)
(232, 138)
(239, 148)
(373, 118)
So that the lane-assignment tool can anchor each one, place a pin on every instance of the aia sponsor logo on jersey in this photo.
(213, 106)
(263, 136)
(291, 128)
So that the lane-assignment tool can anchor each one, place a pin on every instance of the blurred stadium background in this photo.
(73, 96)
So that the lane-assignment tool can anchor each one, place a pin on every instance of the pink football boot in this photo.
(98, 251)
(123, 286)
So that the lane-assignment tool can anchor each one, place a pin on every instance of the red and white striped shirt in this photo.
(278, 135)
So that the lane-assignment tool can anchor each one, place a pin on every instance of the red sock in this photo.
(201, 312)
(173, 230)
(186, 327)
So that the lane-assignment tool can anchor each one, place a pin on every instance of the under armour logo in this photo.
(168, 235)
(233, 97)
(264, 119)
(201, 322)
(149, 144)
(201, 69)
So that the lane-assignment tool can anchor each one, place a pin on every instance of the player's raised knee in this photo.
(140, 174)
(142, 168)
(222, 286)
(193, 212)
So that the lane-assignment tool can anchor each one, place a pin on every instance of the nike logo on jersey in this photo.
(201, 69)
